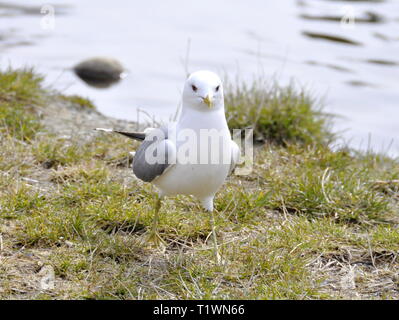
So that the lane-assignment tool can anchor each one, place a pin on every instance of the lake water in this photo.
(359, 83)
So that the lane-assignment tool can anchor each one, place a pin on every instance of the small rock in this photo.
(348, 280)
(48, 164)
(100, 72)
(47, 280)
(69, 244)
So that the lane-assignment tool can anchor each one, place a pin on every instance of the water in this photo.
(246, 38)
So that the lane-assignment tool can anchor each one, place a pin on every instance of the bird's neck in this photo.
(203, 119)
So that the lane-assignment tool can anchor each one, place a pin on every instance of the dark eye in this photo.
(194, 88)
(217, 88)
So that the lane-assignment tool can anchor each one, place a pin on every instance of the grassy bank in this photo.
(307, 223)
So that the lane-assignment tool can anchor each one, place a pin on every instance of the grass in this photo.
(281, 115)
(20, 91)
(326, 183)
(79, 101)
(307, 223)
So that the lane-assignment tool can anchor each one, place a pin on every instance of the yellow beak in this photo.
(208, 101)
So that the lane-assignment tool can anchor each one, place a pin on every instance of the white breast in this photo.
(200, 179)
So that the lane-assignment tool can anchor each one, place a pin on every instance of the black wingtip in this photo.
(140, 136)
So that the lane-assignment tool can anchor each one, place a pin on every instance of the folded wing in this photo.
(155, 155)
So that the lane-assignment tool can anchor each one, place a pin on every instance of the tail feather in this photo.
(140, 136)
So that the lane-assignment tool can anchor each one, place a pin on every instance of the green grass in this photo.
(305, 221)
(79, 101)
(281, 115)
(20, 92)
(326, 183)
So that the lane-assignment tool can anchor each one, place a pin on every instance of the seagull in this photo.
(192, 156)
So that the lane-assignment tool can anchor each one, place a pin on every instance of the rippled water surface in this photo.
(355, 67)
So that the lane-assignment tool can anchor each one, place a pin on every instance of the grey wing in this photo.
(160, 149)
(235, 156)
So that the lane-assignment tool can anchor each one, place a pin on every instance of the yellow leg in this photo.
(153, 235)
(215, 240)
